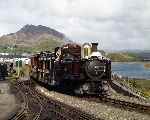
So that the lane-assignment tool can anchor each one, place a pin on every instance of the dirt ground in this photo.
(8, 102)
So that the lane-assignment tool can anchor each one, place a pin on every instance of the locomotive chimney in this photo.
(94, 47)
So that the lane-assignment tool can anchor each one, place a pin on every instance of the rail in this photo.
(24, 107)
(120, 103)
(53, 107)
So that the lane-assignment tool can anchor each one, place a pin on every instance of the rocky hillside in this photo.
(32, 38)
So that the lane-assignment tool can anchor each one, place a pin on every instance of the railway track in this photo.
(61, 111)
(26, 113)
(32, 100)
(128, 105)
(20, 115)
(67, 112)
(131, 106)
(55, 109)
(120, 104)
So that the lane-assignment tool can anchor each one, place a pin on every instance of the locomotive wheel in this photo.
(86, 88)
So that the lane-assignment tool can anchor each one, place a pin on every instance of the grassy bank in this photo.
(141, 85)
(144, 85)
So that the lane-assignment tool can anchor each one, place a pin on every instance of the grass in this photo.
(144, 86)
(141, 85)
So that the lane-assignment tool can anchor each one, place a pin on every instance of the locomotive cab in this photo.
(68, 64)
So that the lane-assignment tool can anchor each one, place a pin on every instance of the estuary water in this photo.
(131, 69)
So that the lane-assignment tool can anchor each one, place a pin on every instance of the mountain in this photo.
(32, 38)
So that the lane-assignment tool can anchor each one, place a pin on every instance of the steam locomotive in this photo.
(79, 69)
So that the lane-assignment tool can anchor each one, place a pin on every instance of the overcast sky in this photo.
(115, 24)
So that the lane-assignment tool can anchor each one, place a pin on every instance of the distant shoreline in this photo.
(128, 57)
(147, 65)
(130, 78)
(131, 70)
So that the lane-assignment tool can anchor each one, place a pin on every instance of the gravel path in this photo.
(7, 101)
(100, 110)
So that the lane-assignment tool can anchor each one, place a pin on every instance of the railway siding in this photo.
(38, 105)
(66, 111)
(26, 113)
(128, 105)
(45, 104)
(100, 110)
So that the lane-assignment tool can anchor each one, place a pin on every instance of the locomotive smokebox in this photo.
(94, 47)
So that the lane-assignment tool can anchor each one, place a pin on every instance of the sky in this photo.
(114, 24)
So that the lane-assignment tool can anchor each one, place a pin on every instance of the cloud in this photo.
(115, 24)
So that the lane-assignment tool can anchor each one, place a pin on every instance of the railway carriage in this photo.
(78, 69)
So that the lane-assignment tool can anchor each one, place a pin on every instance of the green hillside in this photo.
(123, 57)
(43, 45)
(47, 45)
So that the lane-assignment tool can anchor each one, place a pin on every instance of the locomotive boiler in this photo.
(78, 69)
